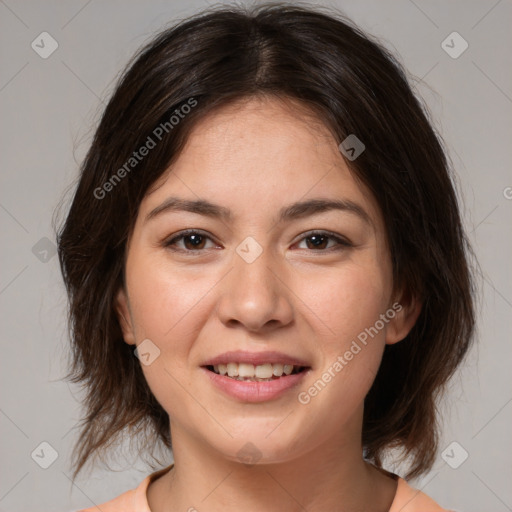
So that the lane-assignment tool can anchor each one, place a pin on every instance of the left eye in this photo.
(196, 241)
(320, 238)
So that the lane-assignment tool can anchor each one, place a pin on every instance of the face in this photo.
(253, 279)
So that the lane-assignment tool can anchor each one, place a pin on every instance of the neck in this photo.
(329, 476)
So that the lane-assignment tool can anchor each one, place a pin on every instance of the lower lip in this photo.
(251, 391)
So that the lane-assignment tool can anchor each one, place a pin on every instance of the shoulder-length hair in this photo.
(354, 86)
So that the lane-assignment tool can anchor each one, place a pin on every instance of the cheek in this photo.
(168, 307)
(166, 301)
(343, 302)
(348, 304)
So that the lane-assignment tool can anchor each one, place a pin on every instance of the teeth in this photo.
(232, 369)
(278, 369)
(264, 371)
(246, 371)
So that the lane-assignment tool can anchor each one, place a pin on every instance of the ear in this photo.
(407, 310)
(124, 316)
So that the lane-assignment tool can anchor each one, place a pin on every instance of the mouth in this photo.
(255, 377)
(256, 373)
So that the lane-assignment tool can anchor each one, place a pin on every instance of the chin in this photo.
(257, 446)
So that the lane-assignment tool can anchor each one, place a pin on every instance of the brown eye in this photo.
(191, 241)
(194, 242)
(319, 241)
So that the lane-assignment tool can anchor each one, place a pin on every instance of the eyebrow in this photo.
(293, 211)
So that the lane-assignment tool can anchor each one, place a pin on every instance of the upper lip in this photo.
(255, 358)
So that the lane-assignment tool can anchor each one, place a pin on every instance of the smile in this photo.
(246, 388)
(255, 373)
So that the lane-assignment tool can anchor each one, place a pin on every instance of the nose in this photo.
(255, 295)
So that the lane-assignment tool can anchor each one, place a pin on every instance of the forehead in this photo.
(262, 133)
(260, 152)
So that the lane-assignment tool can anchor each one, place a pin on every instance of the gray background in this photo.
(49, 108)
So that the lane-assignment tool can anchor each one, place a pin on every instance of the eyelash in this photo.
(342, 243)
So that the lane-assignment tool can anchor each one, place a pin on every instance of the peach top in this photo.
(407, 498)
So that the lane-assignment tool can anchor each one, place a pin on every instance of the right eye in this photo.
(193, 241)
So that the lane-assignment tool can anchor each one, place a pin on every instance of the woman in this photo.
(266, 269)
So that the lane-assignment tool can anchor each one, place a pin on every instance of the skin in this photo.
(254, 157)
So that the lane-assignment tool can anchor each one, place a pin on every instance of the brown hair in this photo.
(354, 86)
